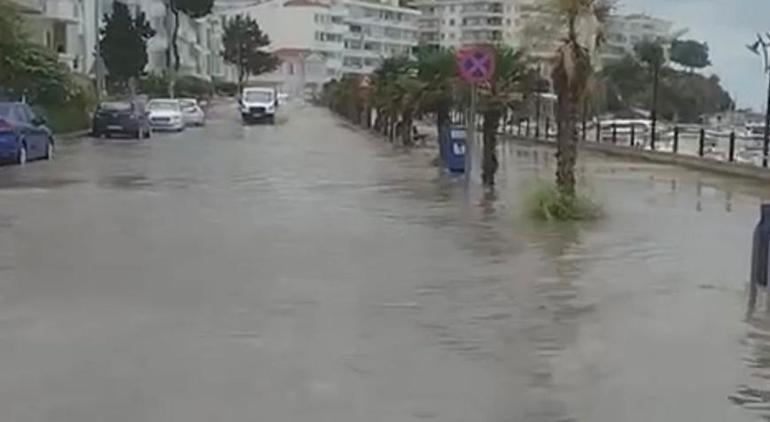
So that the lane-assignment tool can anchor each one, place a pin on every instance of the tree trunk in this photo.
(489, 163)
(406, 128)
(566, 145)
(378, 120)
(175, 51)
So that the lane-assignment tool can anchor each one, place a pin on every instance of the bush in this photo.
(153, 85)
(187, 86)
(547, 203)
(225, 88)
(193, 87)
(74, 114)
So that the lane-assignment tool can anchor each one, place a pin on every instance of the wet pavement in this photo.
(310, 272)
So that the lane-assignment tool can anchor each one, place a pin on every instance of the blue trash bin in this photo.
(455, 150)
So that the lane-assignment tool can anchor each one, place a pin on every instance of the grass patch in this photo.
(546, 203)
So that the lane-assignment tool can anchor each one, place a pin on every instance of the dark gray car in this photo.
(121, 117)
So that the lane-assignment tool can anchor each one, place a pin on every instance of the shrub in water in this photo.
(547, 203)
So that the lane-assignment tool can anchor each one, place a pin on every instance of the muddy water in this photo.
(311, 272)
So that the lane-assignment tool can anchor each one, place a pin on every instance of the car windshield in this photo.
(258, 96)
(163, 105)
(115, 106)
(187, 104)
(5, 110)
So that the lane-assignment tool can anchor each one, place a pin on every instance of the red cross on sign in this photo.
(476, 64)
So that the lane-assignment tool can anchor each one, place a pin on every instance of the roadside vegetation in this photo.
(403, 89)
(32, 72)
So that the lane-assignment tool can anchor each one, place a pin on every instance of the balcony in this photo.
(61, 10)
(28, 6)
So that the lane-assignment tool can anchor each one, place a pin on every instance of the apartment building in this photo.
(57, 25)
(455, 23)
(70, 28)
(377, 30)
(306, 35)
(199, 40)
(318, 40)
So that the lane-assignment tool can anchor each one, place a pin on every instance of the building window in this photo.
(451, 22)
(451, 35)
(508, 22)
(443, 36)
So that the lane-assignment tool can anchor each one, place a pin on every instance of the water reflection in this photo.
(755, 394)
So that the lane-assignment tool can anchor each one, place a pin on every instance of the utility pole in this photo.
(98, 63)
(760, 47)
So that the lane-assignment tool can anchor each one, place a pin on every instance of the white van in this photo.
(257, 104)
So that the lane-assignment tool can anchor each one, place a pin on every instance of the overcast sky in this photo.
(727, 26)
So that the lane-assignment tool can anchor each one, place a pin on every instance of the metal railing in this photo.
(685, 139)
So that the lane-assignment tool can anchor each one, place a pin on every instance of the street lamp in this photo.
(761, 47)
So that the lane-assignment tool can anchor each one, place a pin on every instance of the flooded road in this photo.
(309, 272)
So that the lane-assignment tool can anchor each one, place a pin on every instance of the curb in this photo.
(722, 167)
(72, 135)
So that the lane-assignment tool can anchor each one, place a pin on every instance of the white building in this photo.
(306, 35)
(623, 32)
(199, 41)
(377, 30)
(57, 25)
(455, 23)
(70, 28)
(318, 40)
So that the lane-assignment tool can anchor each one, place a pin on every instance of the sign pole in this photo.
(470, 148)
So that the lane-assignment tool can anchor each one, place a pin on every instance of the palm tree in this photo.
(571, 76)
(437, 70)
(512, 78)
(389, 90)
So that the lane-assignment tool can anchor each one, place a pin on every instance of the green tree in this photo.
(388, 90)
(571, 76)
(195, 9)
(651, 54)
(437, 70)
(244, 42)
(123, 44)
(511, 80)
(27, 68)
(690, 54)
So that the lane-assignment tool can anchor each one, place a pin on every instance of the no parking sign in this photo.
(476, 64)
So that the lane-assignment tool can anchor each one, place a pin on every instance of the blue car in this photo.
(23, 135)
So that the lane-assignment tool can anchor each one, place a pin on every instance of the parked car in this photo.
(165, 114)
(23, 134)
(192, 112)
(121, 117)
(258, 104)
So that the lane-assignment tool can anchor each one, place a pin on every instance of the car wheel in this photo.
(271, 120)
(148, 134)
(21, 159)
(138, 134)
(49, 150)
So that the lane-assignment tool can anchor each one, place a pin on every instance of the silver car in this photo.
(192, 112)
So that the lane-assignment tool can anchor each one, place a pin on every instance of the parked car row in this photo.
(138, 120)
(24, 135)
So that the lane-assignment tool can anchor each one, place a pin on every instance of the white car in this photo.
(192, 113)
(165, 114)
(258, 104)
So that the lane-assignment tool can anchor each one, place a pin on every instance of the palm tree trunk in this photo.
(566, 146)
(443, 120)
(406, 126)
(489, 162)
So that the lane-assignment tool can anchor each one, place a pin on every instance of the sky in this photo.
(727, 26)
